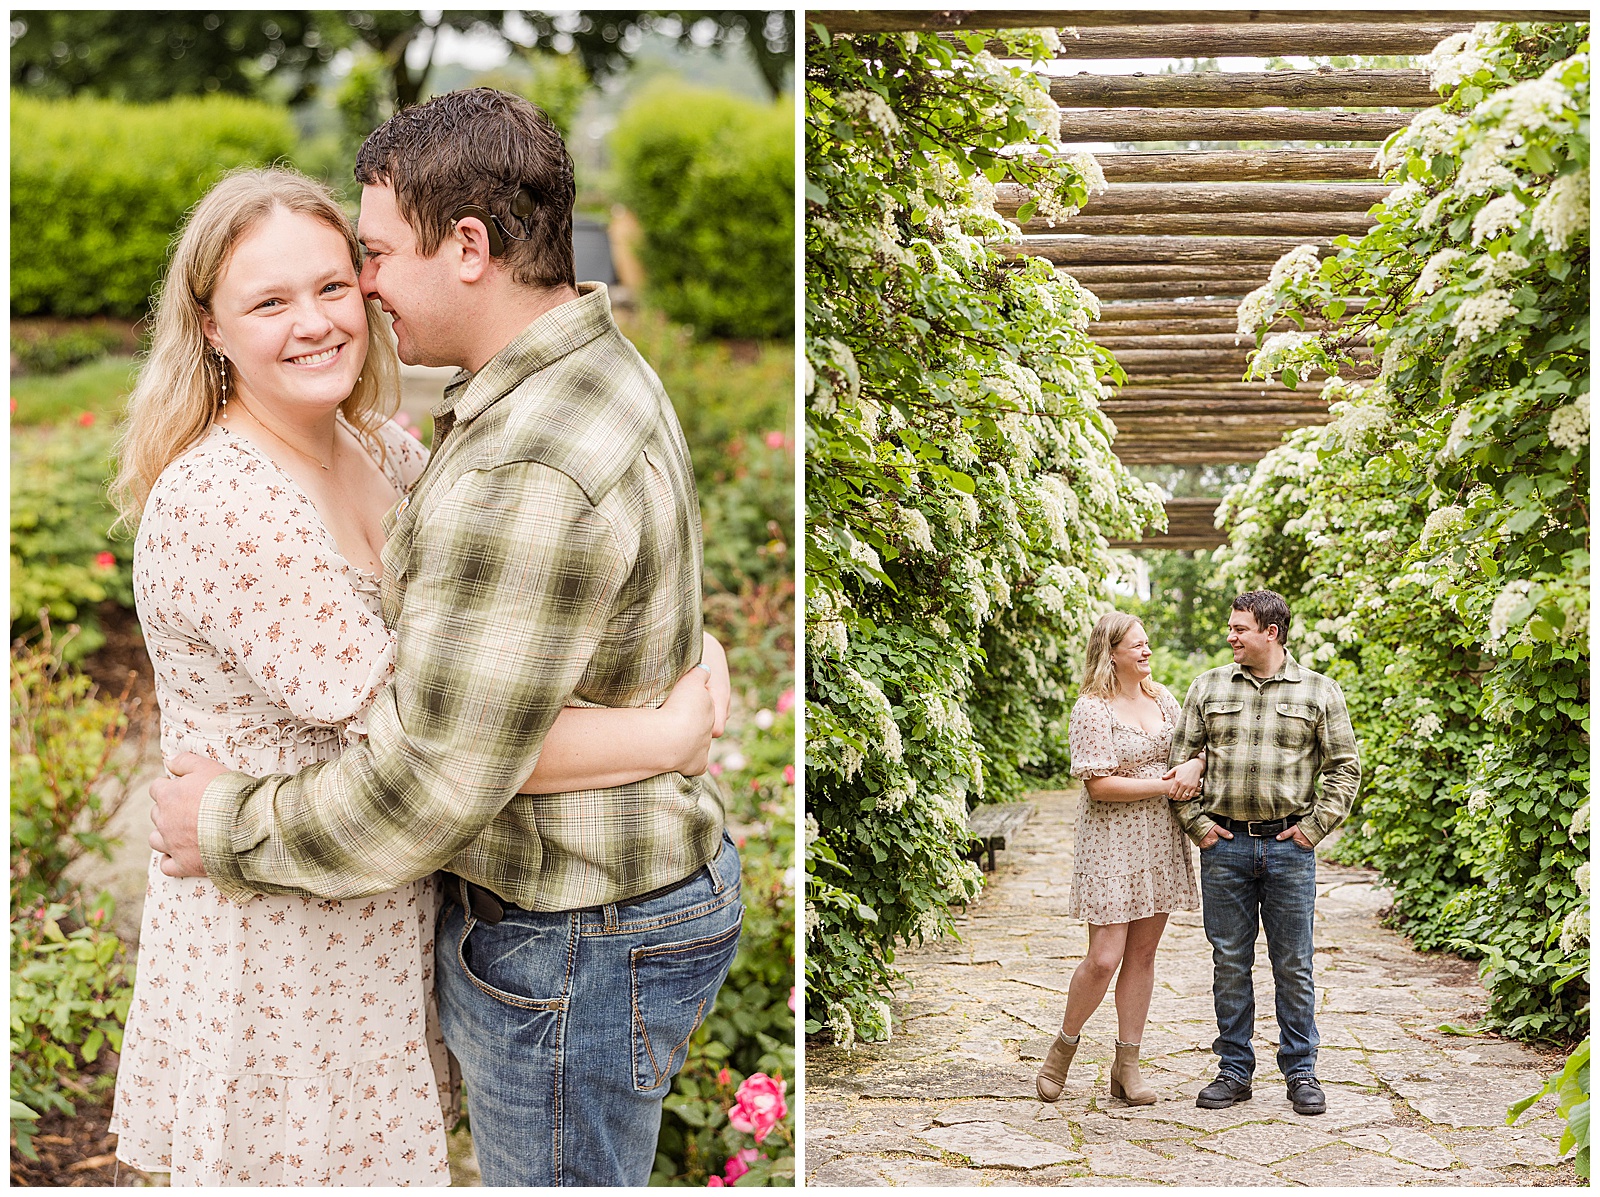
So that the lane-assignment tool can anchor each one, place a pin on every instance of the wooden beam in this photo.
(1247, 89)
(1233, 290)
(1166, 309)
(1140, 453)
(1184, 224)
(1101, 330)
(955, 19)
(1225, 124)
(1129, 198)
(1216, 40)
(1166, 272)
(1234, 166)
(1075, 251)
(1183, 410)
(1211, 392)
(1184, 340)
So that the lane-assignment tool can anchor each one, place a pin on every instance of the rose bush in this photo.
(960, 486)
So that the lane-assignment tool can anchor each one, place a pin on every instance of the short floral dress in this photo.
(1131, 859)
(284, 1041)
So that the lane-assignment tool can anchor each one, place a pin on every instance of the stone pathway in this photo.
(950, 1100)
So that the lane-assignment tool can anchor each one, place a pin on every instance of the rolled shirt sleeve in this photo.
(1188, 742)
(510, 586)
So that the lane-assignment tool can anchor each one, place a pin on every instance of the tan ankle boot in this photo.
(1126, 1082)
(1053, 1072)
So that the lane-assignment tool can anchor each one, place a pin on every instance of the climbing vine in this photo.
(1434, 538)
(960, 485)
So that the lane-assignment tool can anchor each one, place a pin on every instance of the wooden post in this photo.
(1247, 89)
(1130, 198)
(1225, 124)
(1287, 224)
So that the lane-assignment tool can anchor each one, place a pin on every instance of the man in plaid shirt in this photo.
(549, 556)
(1269, 727)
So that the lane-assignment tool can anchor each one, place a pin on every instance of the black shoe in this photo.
(1305, 1094)
(1223, 1092)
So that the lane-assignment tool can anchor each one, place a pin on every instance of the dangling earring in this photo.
(222, 371)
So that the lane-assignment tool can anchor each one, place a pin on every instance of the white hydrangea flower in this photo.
(1580, 877)
(897, 795)
(1280, 350)
(1432, 131)
(1051, 39)
(843, 1027)
(1252, 311)
(1529, 105)
(1460, 429)
(874, 108)
(1429, 726)
(1484, 168)
(1478, 801)
(1564, 210)
(1569, 425)
(1459, 57)
(1575, 930)
(1429, 216)
(930, 924)
(1502, 267)
(813, 920)
(1496, 217)
(863, 552)
(1089, 169)
(913, 526)
(1433, 271)
(1300, 262)
(1481, 315)
(1442, 523)
(813, 830)
(1505, 605)
(1580, 821)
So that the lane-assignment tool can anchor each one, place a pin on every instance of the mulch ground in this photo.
(122, 664)
(74, 1150)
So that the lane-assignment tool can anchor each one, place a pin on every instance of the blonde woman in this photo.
(291, 1040)
(1131, 865)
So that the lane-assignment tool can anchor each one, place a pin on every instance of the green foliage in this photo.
(960, 488)
(1437, 532)
(1570, 1088)
(68, 779)
(557, 83)
(54, 352)
(1187, 611)
(63, 557)
(71, 987)
(99, 388)
(711, 178)
(98, 188)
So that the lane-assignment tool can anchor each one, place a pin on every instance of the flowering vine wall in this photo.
(960, 486)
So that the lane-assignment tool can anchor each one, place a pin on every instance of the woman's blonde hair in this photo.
(1099, 674)
(180, 381)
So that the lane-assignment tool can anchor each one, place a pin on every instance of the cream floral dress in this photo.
(284, 1041)
(1131, 859)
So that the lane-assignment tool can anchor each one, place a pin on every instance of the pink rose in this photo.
(785, 700)
(791, 997)
(86, 419)
(714, 1182)
(759, 1105)
(104, 560)
(775, 440)
(788, 774)
(402, 419)
(724, 1077)
(739, 1163)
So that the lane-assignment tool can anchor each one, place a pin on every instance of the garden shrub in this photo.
(51, 353)
(960, 488)
(63, 557)
(1434, 539)
(70, 983)
(710, 176)
(98, 189)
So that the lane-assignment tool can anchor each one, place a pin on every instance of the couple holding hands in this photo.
(1234, 772)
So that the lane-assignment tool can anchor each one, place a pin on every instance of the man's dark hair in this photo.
(480, 146)
(1269, 608)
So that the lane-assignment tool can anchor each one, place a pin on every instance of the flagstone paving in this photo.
(950, 1099)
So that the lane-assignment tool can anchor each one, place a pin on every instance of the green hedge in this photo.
(98, 189)
(711, 178)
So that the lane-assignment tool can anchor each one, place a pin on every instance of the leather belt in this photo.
(1258, 827)
(489, 907)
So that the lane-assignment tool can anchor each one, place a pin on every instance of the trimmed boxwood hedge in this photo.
(710, 176)
(98, 189)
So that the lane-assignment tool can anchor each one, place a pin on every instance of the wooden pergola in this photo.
(1180, 236)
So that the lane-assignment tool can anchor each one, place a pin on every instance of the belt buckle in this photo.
(1251, 825)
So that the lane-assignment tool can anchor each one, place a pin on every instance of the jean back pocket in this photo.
(674, 987)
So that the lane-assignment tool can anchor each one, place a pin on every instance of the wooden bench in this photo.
(991, 826)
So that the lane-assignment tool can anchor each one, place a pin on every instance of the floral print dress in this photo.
(1131, 859)
(283, 1041)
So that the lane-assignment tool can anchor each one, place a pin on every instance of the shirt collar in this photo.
(1289, 671)
(547, 340)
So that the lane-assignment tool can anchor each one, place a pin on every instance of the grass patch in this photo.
(99, 388)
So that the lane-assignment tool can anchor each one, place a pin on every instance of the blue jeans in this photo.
(1248, 883)
(570, 1026)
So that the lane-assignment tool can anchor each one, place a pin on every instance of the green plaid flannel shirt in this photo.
(1266, 741)
(549, 555)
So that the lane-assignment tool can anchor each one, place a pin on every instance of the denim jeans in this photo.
(1248, 883)
(570, 1026)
